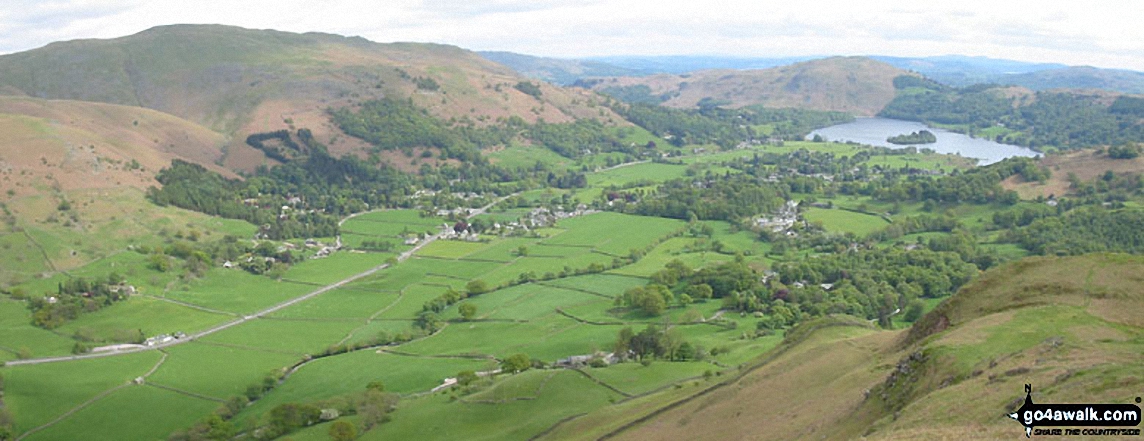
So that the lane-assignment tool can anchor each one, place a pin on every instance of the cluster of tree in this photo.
(1128, 105)
(1022, 215)
(651, 300)
(979, 185)
(806, 162)
(873, 284)
(730, 198)
(190, 186)
(326, 187)
(1084, 230)
(573, 140)
(372, 407)
(654, 343)
(429, 319)
(919, 137)
(426, 83)
(287, 148)
(218, 426)
(916, 81)
(528, 88)
(1064, 120)
(1124, 151)
(902, 226)
(392, 124)
(726, 127)
(516, 363)
(73, 297)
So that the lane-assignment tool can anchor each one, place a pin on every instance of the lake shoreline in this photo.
(875, 131)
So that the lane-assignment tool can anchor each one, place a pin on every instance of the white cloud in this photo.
(1100, 32)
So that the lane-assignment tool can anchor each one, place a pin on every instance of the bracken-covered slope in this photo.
(72, 176)
(1070, 327)
(239, 81)
(70, 145)
(856, 85)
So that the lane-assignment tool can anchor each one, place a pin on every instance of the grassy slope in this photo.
(848, 84)
(1076, 339)
(83, 153)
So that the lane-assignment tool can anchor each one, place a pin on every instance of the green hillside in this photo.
(1068, 326)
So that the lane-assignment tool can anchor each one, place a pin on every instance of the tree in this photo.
(477, 287)
(701, 291)
(342, 430)
(289, 417)
(914, 310)
(522, 251)
(465, 378)
(428, 321)
(516, 363)
(467, 310)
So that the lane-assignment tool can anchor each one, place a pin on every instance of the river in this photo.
(874, 131)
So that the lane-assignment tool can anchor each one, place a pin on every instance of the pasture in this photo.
(563, 395)
(845, 221)
(164, 411)
(37, 394)
(147, 315)
(642, 172)
(349, 373)
(236, 291)
(19, 336)
(218, 371)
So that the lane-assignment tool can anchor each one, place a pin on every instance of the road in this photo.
(191, 337)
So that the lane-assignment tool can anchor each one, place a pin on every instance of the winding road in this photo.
(191, 337)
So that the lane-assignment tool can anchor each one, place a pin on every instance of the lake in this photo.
(874, 131)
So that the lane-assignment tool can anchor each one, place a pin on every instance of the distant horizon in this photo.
(741, 57)
(1102, 34)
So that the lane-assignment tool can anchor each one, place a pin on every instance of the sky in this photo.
(1099, 33)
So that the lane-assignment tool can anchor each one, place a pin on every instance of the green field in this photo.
(336, 267)
(844, 221)
(37, 394)
(234, 290)
(164, 411)
(451, 249)
(342, 303)
(637, 379)
(648, 171)
(17, 334)
(294, 336)
(150, 316)
(349, 373)
(565, 394)
(520, 156)
(217, 371)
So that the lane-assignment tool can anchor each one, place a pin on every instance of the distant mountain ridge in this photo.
(558, 70)
(952, 70)
(856, 85)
